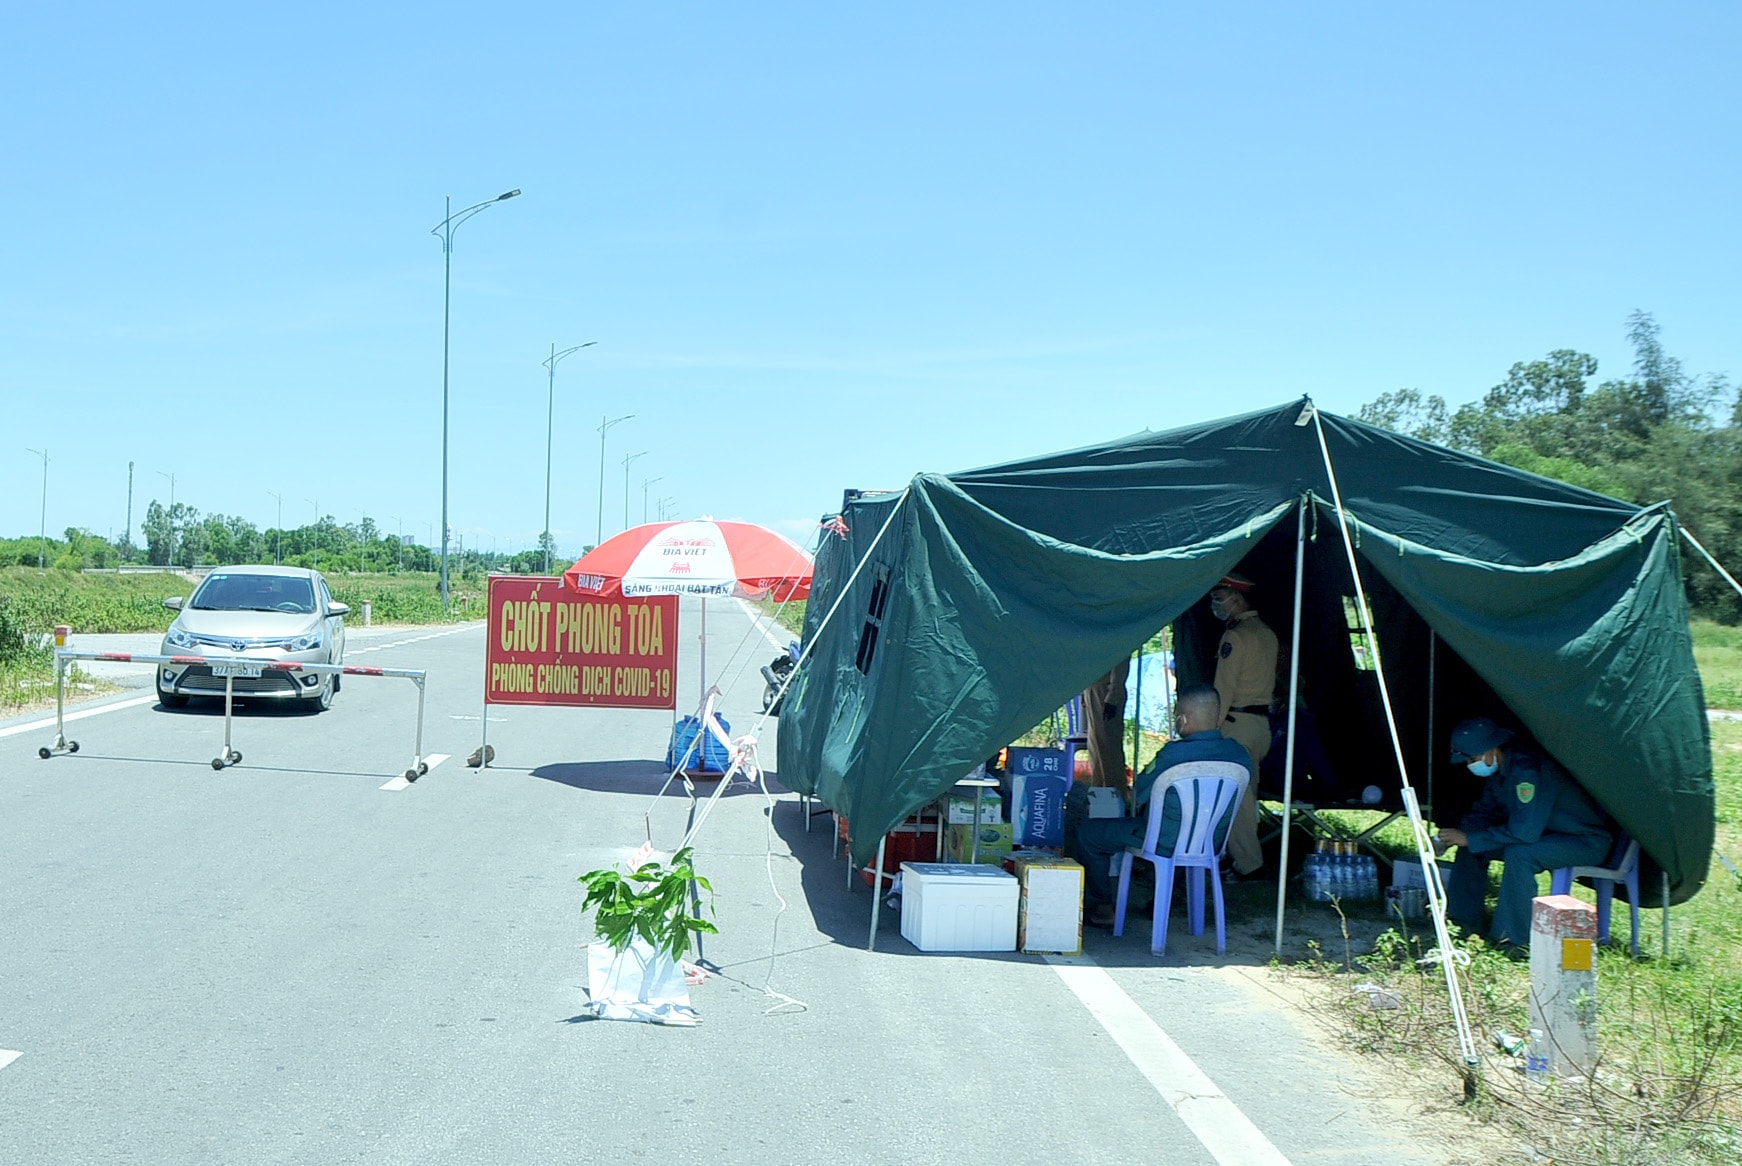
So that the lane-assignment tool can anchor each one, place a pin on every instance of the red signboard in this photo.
(550, 645)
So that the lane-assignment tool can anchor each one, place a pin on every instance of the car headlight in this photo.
(307, 643)
(179, 638)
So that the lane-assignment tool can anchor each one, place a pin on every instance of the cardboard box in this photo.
(959, 809)
(1105, 802)
(995, 842)
(1039, 782)
(957, 907)
(1406, 872)
(1049, 914)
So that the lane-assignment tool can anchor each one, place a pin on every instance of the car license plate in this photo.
(242, 670)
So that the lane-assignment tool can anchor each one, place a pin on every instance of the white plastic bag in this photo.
(637, 984)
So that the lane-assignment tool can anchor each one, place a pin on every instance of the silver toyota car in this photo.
(262, 613)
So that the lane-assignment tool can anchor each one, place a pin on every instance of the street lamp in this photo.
(42, 533)
(278, 551)
(662, 506)
(400, 523)
(171, 478)
(605, 425)
(444, 231)
(549, 416)
(628, 460)
(646, 482)
(317, 507)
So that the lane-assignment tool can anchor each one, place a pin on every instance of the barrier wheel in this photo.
(72, 746)
(45, 753)
(412, 775)
(217, 763)
(422, 768)
(235, 759)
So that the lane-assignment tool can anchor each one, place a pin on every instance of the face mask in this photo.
(1217, 610)
(1484, 768)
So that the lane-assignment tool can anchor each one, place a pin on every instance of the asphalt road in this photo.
(287, 962)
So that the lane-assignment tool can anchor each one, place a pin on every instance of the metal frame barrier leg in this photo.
(229, 667)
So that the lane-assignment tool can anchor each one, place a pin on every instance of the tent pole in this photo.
(1716, 566)
(1423, 845)
(1665, 914)
(704, 692)
(1137, 721)
(1433, 659)
(1288, 749)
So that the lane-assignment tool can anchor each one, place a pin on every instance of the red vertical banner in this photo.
(550, 645)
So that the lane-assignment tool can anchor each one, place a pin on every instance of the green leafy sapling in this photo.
(650, 903)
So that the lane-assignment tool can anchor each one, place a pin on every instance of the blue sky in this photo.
(818, 246)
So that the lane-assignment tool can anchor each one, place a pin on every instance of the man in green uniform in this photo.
(1245, 680)
(1532, 816)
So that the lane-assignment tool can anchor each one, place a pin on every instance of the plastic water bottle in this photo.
(1317, 875)
(1369, 878)
(1536, 1057)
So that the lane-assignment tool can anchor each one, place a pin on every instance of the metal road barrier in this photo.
(230, 668)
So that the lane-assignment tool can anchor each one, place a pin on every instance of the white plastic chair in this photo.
(1208, 791)
(1623, 867)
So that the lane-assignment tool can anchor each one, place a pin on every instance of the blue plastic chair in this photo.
(1622, 867)
(1208, 792)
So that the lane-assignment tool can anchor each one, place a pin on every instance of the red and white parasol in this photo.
(695, 558)
(701, 558)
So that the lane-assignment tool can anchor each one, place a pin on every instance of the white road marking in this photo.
(48, 723)
(765, 628)
(430, 762)
(349, 652)
(1226, 1133)
(7, 1056)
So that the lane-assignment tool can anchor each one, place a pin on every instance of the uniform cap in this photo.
(1236, 581)
(1476, 736)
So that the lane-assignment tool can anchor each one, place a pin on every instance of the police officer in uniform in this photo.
(1245, 681)
(1532, 816)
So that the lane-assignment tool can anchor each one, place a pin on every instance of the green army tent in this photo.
(970, 606)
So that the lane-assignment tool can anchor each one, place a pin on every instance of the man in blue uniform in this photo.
(1531, 816)
(1198, 718)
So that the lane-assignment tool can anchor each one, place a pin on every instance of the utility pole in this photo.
(128, 536)
(42, 534)
(171, 477)
(646, 482)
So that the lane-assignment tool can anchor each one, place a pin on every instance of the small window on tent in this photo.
(873, 618)
(1358, 635)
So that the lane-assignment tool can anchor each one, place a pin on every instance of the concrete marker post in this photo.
(1563, 981)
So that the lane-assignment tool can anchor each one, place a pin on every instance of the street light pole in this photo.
(549, 418)
(42, 533)
(444, 231)
(662, 507)
(171, 477)
(278, 551)
(400, 524)
(646, 482)
(605, 425)
(628, 459)
(317, 507)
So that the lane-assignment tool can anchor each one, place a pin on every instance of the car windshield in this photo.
(286, 593)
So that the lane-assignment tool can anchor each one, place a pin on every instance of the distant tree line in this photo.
(179, 535)
(1657, 434)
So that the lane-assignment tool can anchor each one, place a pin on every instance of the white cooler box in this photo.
(952, 906)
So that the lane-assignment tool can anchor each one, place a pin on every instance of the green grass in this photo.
(1718, 652)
